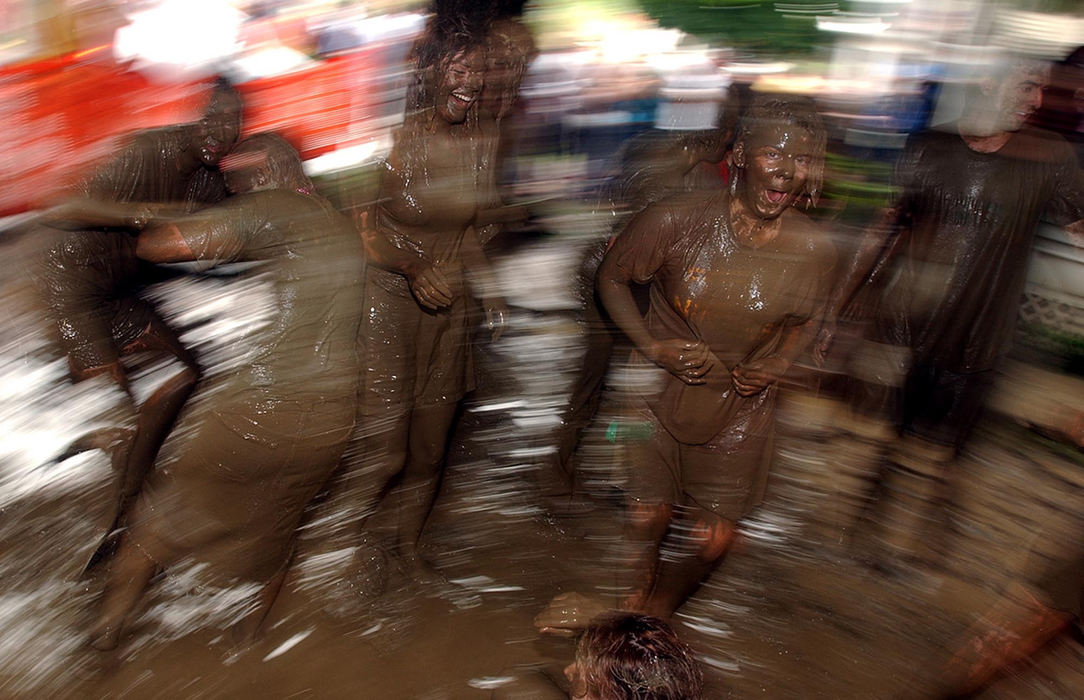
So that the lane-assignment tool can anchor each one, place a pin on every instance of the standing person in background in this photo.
(510, 48)
(949, 262)
(422, 245)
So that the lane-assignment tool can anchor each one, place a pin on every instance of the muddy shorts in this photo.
(727, 475)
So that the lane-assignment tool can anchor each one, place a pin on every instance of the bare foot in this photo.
(104, 637)
(421, 571)
(569, 613)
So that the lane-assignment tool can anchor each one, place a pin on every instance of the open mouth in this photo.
(463, 98)
(776, 196)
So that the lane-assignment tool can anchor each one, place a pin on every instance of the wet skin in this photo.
(282, 420)
(725, 269)
(125, 193)
(460, 85)
(774, 164)
(420, 244)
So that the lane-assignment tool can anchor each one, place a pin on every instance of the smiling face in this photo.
(460, 85)
(219, 128)
(1019, 96)
(775, 160)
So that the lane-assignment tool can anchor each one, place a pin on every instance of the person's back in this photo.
(315, 263)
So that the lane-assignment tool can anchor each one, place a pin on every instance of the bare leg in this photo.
(153, 424)
(1015, 628)
(159, 412)
(429, 428)
(647, 525)
(131, 571)
(696, 544)
(247, 630)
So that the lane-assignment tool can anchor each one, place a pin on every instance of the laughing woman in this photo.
(738, 281)
(421, 245)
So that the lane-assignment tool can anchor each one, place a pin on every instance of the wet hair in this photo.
(281, 160)
(790, 110)
(515, 38)
(222, 88)
(447, 34)
(626, 656)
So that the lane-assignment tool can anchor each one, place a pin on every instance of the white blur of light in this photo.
(180, 36)
(843, 25)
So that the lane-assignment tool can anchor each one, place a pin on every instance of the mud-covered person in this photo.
(739, 279)
(423, 253)
(510, 48)
(91, 281)
(621, 656)
(252, 456)
(948, 268)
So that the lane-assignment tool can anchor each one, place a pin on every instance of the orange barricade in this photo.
(63, 114)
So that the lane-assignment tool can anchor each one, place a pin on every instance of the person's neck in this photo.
(980, 136)
(750, 229)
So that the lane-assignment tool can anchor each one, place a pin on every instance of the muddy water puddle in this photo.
(791, 614)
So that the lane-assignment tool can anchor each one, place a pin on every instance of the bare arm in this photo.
(428, 284)
(163, 244)
(686, 360)
(85, 212)
(877, 246)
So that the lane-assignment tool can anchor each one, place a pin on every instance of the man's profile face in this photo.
(1020, 95)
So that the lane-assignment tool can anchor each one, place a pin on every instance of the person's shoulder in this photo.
(810, 236)
(941, 138)
(685, 212)
(1042, 144)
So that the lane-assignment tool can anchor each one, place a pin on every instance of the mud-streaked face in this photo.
(219, 129)
(776, 160)
(460, 85)
(1020, 96)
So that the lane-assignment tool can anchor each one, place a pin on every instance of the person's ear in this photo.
(988, 87)
(739, 154)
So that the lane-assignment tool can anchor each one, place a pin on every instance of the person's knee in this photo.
(712, 536)
(649, 519)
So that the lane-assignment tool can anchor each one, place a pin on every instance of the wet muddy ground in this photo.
(793, 612)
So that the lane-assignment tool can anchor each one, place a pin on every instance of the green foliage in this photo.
(751, 25)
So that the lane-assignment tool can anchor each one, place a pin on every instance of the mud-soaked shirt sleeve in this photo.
(647, 244)
(118, 179)
(1067, 204)
(223, 233)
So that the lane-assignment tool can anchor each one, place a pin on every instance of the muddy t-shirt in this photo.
(707, 285)
(970, 219)
(148, 169)
(309, 347)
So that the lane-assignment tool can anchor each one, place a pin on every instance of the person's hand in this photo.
(689, 361)
(568, 613)
(751, 378)
(496, 314)
(825, 336)
(141, 217)
(430, 286)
